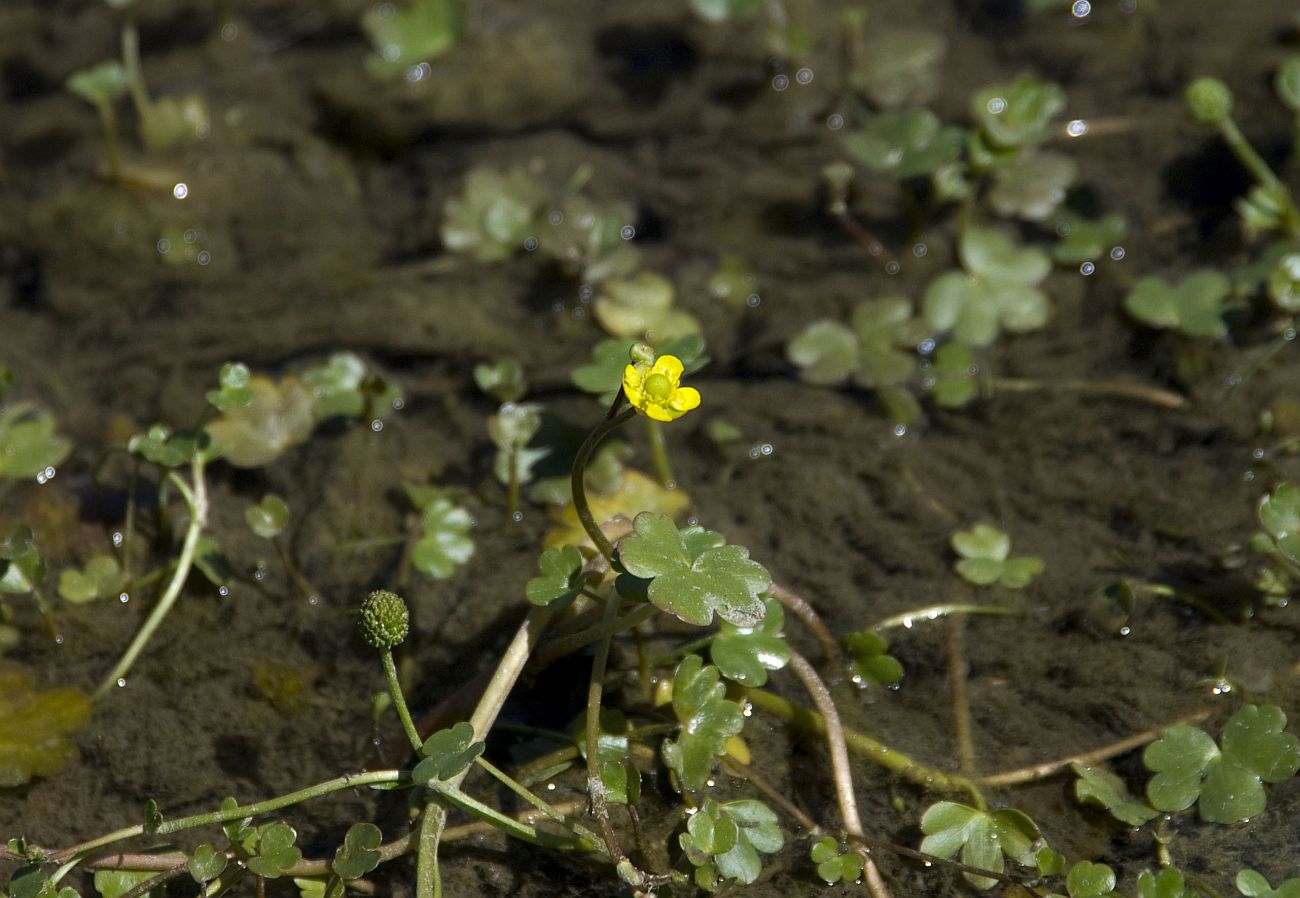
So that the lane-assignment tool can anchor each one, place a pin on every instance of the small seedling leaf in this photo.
(562, 578)
(1099, 786)
(707, 717)
(276, 851)
(100, 578)
(746, 654)
(447, 753)
(268, 517)
(982, 837)
(359, 853)
(870, 663)
(826, 353)
(206, 863)
(444, 543)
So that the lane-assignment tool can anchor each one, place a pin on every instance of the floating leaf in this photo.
(1168, 883)
(982, 837)
(161, 446)
(1017, 114)
(100, 578)
(234, 391)
(635, 493)
(28, 444)
(1193, 306)
(899, 67)
(870, 663)
(708, 720)
(404, 36)
(495, 212)
(280, 415)
(746, 654)
(641, 307)
(276, 852)
(1099, 786)
(206, 863)
(503, 380)
(1254, 885)
(952, 379)
(985, 550)
(170, 121)
(100, 84)
(723, 841)
(359, 853)
(1088, 239)
(447, 753)
(562, 579)
(997, 291)
(825, 352)
(1089, 880)
(36, 727)
(721, 579)
(1033, 186)
(1279, 513)
(268, 517)
(1225, 781)
(21, 567)
(444, 542)
(834, 865)
(116, 883)
(905, 144)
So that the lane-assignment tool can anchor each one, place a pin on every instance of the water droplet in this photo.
(804, 75)
(229, 31)
(627, 232)
(1087, 268)
(1248, 476)
(585, 292)
(517, 516)
(45, 476)
(223, 590)
(204, 257)
(418, 72)
(124, 598)
(1257, 453)
(835, 121)
(1289, 334)
(398, 404)
(313, 600)
(1081, 9)
(1117, 253)
(926, 346)
(780, 82)
(753, 300)
(996, 105)
(920, 250)
(376, 425)
(766, 449)
(692, 521)
(117, 539)
(900, 430)
(530, 244)
(892, 267)
(121, 682)
(1125, 631)
(164, 245)
(181, 190)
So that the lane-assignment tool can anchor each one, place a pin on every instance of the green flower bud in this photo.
(642, 354)
(384, 619)
(1209, 101)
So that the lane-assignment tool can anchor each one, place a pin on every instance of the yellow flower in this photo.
(658, 393)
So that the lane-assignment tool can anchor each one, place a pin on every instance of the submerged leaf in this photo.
(35, 727)
(708, 720)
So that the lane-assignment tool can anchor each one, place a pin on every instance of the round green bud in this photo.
(384, 619)
(642, 354)
(1209, 101)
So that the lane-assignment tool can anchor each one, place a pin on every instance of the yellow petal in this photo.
(670, 367)
(634, 386)
(684, 399)
(658, 411)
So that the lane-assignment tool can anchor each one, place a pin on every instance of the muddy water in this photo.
(317, 197)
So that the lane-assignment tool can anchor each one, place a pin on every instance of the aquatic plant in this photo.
(412, 33)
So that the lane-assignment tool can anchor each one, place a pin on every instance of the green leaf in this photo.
(724, 10)
(21, 567)
(276, 851)
(992, 255)
(982, 837)
(724, 840)
(163, 447)
(115, 883)
(998, 291)
(1087, 239)
(241, 834)
(984, 550)
(952, 378)
(268, 517)
(405, 36)
(888, 337)
(1284, 283)
(746, 654)
(514, 425)
(1168, 883)
(1017, 114)
(235, 391)
(495, 212)
(359, 853)
(603, 374)
(721, 579)
(1287, 83)
(447, 753)
(641, 307)
(708, 719)
(1254, 885)
(206, 863)
(444, 542)
(832, 865)
(1226, 781)
(102, 577)
(870, 663)
(1099, 786)
(825, 352)
(905, 143)
(1279, 514)
(899, 67)
(1032, 186)
(100, 84)
(1089, 880)
(28, 444)
(1193, 306)
(211, 563)
(152, 817)
(504, 380)
(562, 578)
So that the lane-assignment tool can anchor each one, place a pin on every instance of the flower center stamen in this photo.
(658, 386)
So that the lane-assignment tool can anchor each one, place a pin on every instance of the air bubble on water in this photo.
(45, 476)
(181, 190)
(835, 121)
(1117, 253)
(627, 232)
(313, 600)
(121, 682)
(557, 306)
(164, 245)
(766, 449)
(530, 244)
(1076, 128)
(223, 591)
(996, 105)
(900, 430)
(1289, 334)
(124, 598)
(1248, 476)
(229, 31)
(585, 293)
(391, 52)
(1087, 268)
(419, 72)
(892, 267)
(926, 346)
(692, 521)
(1125, 630)
(376, 425)
(780, 82)
(204, 257)
(753, 300)
(1257, 453)
(118, 539)
(1081, 9)
(517, 516)
(920, 250)
(1063, 229)
(804, 75)
(58, 639)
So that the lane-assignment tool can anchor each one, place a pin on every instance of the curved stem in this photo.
(613, 419)
(1115, 388)
(196, 497)
(797, 604)
(957, 673)
(595, 783)
(843, 774)
(659, 451)
(399, 700)
(933, 612)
